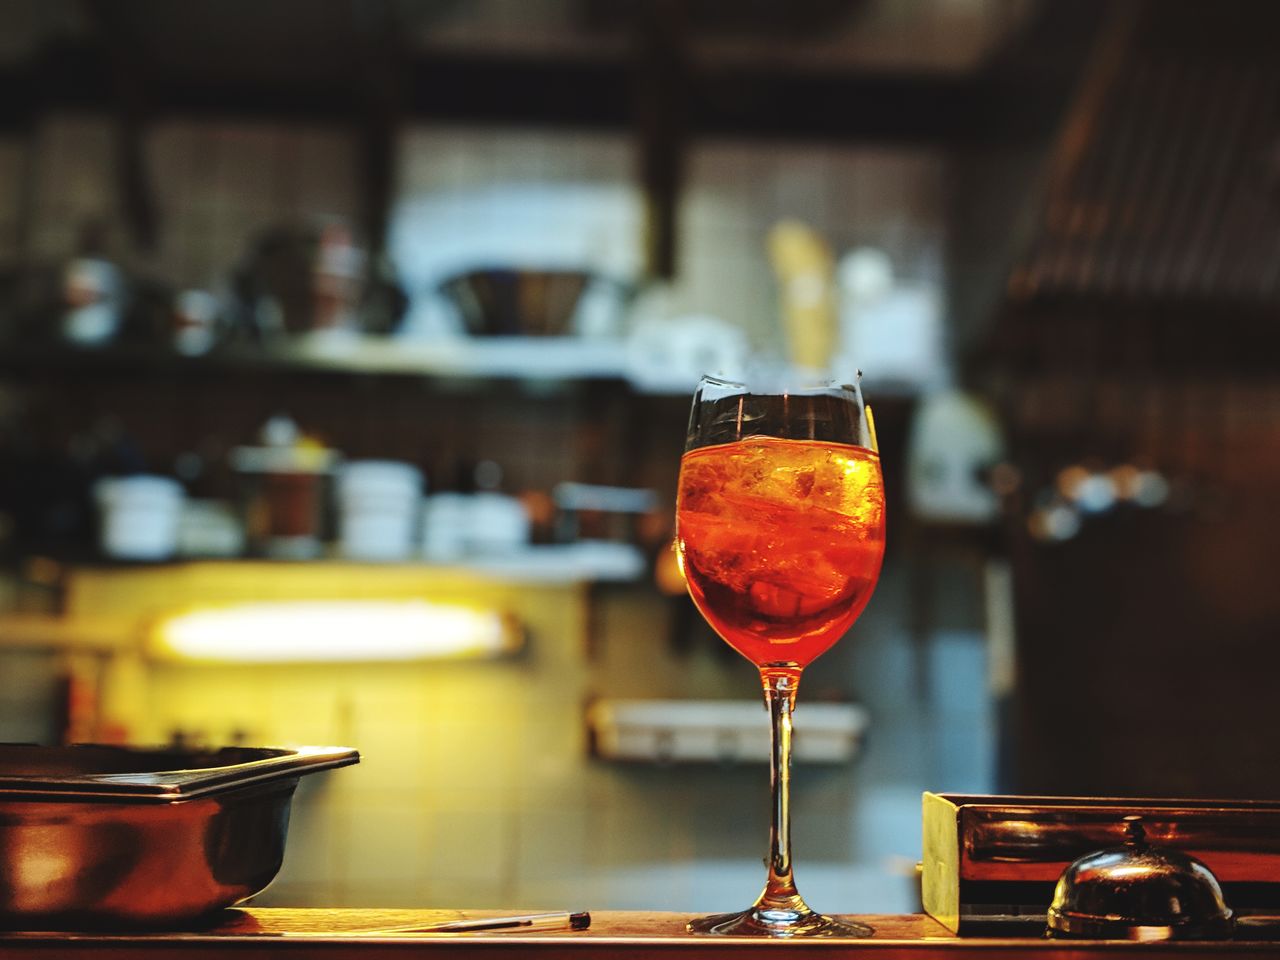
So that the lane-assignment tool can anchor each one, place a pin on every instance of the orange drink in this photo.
(780, 542)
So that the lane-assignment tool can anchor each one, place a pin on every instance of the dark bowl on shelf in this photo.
(95, 837)
(517, 303)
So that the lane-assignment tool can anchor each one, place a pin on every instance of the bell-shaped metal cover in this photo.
(1139, 892)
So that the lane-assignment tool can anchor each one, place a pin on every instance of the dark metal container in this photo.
(990, 863)
(104, 836)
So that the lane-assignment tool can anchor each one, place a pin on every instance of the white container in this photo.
(378, 503)
(498, 523)
(140, 516)
(210, 528)
(446, 520)
(467, 525)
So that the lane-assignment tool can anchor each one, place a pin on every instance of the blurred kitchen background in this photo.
(399, 305)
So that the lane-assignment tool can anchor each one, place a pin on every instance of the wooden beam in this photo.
(127, 89)
(849, 105)
(661, 79)
(380, 65)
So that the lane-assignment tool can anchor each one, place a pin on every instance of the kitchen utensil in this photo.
(517, 302)
(314, 278)
(140, 516)
(446, 520)
(378, 503)
(285, 481)
(670, 354)
(498, 522)
(893, 325)
(456, 525)
(210, 528)
(196, 318)
(953, 442)
(1139, 892)
(528, 302)
(94, 836)
(93, 291)
(546, 258)
(587, 511)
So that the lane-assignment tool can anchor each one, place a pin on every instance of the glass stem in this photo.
(780, 894)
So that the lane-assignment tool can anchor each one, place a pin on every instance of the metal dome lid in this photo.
(1139, 892)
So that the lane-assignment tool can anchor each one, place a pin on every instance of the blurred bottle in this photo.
(805, 270)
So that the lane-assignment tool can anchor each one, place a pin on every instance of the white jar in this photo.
(498, 523)
(446, 522)
(378, 504)
(139, 516)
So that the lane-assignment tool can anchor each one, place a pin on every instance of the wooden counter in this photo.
(335, 934)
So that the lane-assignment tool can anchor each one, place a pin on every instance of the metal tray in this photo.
(102, 836)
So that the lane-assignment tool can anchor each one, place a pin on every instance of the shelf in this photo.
(43, 631)
(108, 605)
(719, 731)
(527, 358)
(564, 563)
(549, 564)
(534, 361)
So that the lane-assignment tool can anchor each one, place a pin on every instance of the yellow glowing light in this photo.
(334, 630)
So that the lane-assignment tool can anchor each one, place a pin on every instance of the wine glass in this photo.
(780, 535)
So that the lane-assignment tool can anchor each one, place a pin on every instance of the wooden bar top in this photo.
(336, 934)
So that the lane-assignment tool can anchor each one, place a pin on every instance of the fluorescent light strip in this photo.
(333, 630)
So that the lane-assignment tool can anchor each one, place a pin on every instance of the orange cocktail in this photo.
(780, 542)
(780, 534)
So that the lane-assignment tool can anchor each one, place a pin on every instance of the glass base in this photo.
(776, 923)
